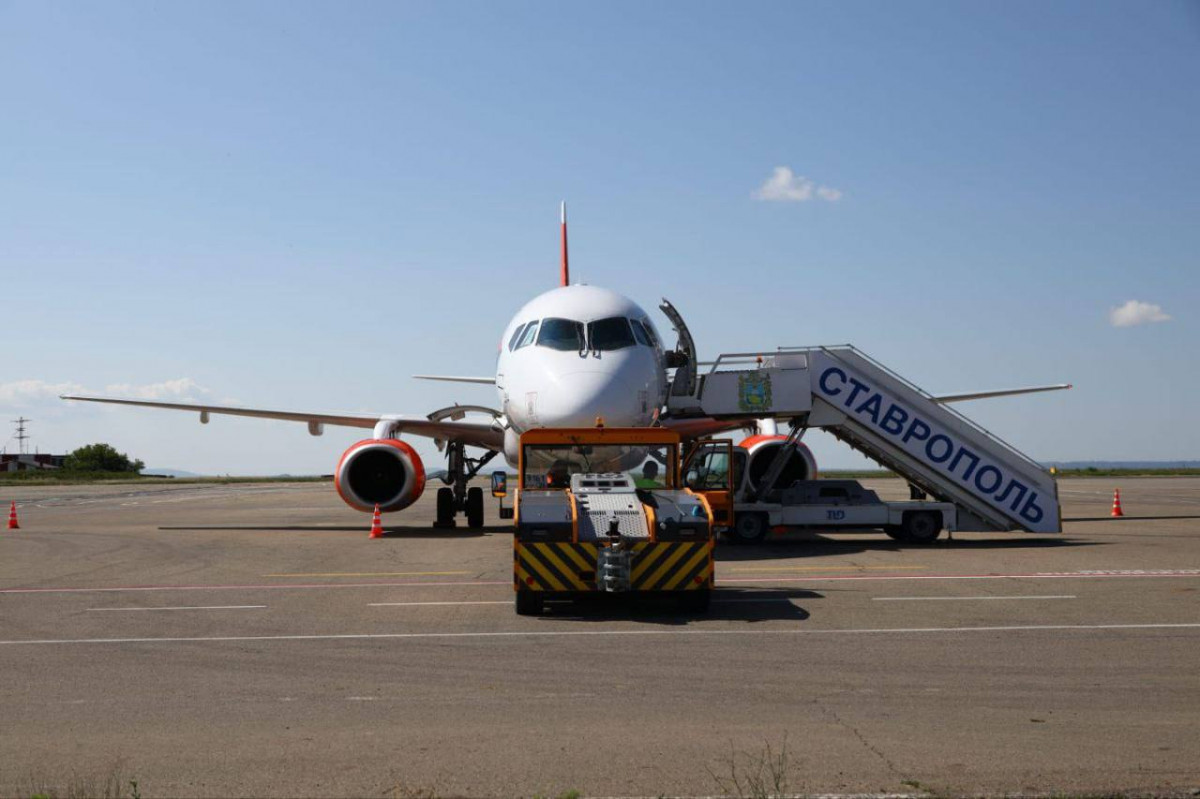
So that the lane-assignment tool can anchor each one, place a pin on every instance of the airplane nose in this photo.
(583, 396)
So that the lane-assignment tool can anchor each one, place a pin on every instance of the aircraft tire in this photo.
(922, 527)
(474, 507)
(445, 507)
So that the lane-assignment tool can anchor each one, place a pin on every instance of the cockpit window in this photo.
(639, 333)
(528, 336)
(561, 334)
(610, 334)
(516, 336)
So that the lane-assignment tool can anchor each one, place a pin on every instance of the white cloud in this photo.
(185, 388)
(25, 393)
(786, 186)
(1136, 312)
(29, 393)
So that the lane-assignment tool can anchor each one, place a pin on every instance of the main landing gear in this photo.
(456, 497)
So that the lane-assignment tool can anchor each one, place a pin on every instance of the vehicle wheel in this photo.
(529, 603)
(896, 533)
(748, 528)
(697, 601)
(475, 507)
(922, 527)
(445, 508)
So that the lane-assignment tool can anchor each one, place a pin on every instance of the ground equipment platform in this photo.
(879, 413)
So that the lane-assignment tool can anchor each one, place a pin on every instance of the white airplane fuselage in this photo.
(575, 354)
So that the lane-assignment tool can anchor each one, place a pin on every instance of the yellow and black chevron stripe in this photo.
(667, 566)
(672, 566)
(555, 567)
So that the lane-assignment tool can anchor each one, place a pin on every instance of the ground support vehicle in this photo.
(919, 436)
(601, 511)
(751, 510)
(842, 505)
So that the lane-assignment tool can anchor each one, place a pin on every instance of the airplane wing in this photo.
(1004, 392)
(699, 427)
(487, 381)
(483, 435)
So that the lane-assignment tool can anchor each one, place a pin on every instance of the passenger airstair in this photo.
(887, 418)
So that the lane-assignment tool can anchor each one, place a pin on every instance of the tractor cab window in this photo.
(708, 470)
(561, 334)
(610, 334)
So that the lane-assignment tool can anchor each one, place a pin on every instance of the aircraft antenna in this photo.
(566, 272)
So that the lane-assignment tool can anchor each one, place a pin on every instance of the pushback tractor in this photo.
(603, 511)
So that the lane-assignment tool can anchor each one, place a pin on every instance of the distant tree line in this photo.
(101, 458)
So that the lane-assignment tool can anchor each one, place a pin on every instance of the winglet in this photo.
(566, 272)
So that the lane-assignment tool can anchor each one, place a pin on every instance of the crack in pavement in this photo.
(831, 713)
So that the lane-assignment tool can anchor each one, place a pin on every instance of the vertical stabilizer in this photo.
(566, 272)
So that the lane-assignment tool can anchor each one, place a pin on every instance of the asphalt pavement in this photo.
(250, 639)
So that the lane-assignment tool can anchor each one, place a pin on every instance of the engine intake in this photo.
(383, 471)
(760, 452)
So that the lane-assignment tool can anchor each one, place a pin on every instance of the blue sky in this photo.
(299, 205)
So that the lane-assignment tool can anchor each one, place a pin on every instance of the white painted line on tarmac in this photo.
(509, 602)
(584, 633)
(960, 598)
(1123, 574)
(420, 604)
(193, 607)
(782, 569)
(368, 574)
(721, 580)
(754, 601)
(1134, 572)
(274, 587)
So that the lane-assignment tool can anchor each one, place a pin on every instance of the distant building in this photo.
(25, 462)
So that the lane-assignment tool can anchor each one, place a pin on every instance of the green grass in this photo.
(763, 774)
(115, 783)
(1094, 472)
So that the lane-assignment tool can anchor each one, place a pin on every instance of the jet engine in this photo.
(761, 451)
(383, 471)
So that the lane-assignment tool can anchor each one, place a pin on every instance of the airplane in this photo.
(569, 357)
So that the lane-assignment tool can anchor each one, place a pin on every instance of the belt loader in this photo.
(602, 511)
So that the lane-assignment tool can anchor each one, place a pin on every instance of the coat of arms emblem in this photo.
(754, 391)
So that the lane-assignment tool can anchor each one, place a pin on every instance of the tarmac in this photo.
(250, 639)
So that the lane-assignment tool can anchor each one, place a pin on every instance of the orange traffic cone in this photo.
(376, 524)
(12, 517)
(1116, 509)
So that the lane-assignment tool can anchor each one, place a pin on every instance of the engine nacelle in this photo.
(383, 471)
(760, 452)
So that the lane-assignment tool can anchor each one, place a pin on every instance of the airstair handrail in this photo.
(969, 422)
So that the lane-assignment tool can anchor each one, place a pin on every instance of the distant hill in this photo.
(169, 473)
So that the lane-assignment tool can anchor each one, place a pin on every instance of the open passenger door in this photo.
(708, 470)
